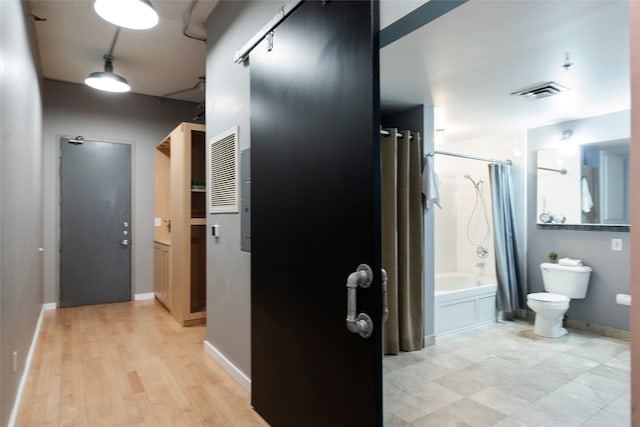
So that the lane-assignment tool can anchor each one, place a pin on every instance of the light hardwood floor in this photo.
(128, 364)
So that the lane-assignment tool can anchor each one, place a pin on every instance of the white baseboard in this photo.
(429, 341)
(228, 366)
(140, 297)
(27, 368)
(49, 306)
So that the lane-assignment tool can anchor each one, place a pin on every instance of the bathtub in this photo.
(463, 301)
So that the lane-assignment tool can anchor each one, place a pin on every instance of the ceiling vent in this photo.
(541, 90)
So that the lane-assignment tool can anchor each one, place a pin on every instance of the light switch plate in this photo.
(157, 222)
(616, 244)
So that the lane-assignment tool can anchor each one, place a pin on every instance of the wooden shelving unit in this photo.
(180, 232)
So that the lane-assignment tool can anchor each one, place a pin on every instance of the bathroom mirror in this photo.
(584, 184)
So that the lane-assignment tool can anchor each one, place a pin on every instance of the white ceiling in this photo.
(467, 62)
(73, 39)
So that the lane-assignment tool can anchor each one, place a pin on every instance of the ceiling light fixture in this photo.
(107, 80)
(132, 14)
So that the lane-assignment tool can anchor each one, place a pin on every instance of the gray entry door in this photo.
(95, 222)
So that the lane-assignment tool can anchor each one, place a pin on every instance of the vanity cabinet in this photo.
(180, 224)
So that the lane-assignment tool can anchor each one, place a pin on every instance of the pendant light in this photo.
(132, 14)
(107, 80)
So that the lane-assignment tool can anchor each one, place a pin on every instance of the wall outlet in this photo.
(15, 361)
(616, 244)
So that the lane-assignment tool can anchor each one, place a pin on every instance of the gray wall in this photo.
(409, 119)
(231, 25)
(20, 198)
(611, 270)
(143, 121)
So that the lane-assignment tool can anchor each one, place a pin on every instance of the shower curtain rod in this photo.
(446, 153)
(464, 156)
(560, 171)
(398, 135)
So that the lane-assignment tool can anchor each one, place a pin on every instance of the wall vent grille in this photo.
(223, 170)
(541, 90)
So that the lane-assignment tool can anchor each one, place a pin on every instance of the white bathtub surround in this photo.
(463, 301)
(452, 250)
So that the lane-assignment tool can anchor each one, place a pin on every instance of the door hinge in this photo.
(78, 140)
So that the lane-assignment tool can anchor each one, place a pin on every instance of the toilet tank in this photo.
(569, 281)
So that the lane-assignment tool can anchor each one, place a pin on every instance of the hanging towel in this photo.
(587, 201)
(569, 262)
(430, 185)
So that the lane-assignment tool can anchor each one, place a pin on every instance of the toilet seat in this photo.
(548, 297)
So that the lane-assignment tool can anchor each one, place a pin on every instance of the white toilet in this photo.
(562, 284)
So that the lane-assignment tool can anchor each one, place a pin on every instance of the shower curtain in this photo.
(402, 224)
(510, 294)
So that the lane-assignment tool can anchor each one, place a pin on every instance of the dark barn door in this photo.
(315, 219)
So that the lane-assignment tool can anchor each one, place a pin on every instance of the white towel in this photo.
(569, 262)
(430, 185)
(587, 201)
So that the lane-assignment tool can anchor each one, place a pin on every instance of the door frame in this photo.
(58, 204)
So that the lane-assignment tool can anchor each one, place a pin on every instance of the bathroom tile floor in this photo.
(504, 375)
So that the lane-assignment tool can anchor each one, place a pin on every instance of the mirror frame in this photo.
(579, 226)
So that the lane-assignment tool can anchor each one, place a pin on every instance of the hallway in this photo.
(128, 364)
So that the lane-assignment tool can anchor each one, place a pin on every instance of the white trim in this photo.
(49, 306)
(429, 340)
(25, 373)
(140, 297)
(228, 366)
